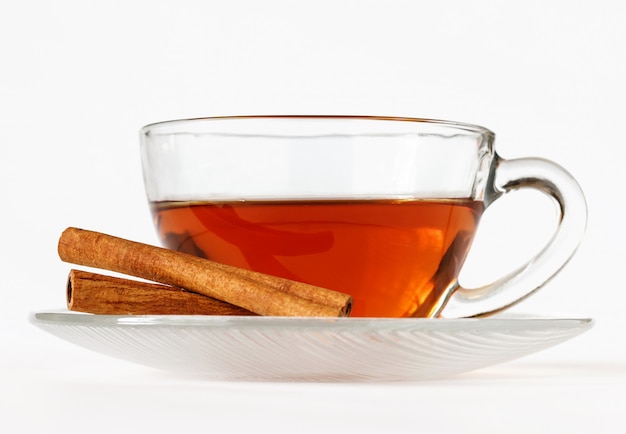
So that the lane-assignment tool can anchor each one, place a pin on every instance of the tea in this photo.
(395, 257)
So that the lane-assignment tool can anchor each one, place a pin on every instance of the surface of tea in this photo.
(395, 257)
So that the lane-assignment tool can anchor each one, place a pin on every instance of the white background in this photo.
(79, 78)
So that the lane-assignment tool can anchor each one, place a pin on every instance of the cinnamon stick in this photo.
(99, 294)
(256, 292)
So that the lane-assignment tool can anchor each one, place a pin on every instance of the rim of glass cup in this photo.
(474, 128)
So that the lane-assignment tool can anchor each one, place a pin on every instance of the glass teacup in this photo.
(384, 209)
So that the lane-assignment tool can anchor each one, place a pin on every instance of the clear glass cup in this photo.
(384, 209)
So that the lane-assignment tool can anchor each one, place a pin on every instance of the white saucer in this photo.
(311, 349)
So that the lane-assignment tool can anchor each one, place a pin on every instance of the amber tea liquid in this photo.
(395, 257)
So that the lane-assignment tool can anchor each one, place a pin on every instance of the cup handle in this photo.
(556, 182)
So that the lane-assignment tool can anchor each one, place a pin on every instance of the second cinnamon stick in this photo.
(107, 295)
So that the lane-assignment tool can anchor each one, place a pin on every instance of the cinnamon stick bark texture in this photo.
(256, 292)
(107, 295)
